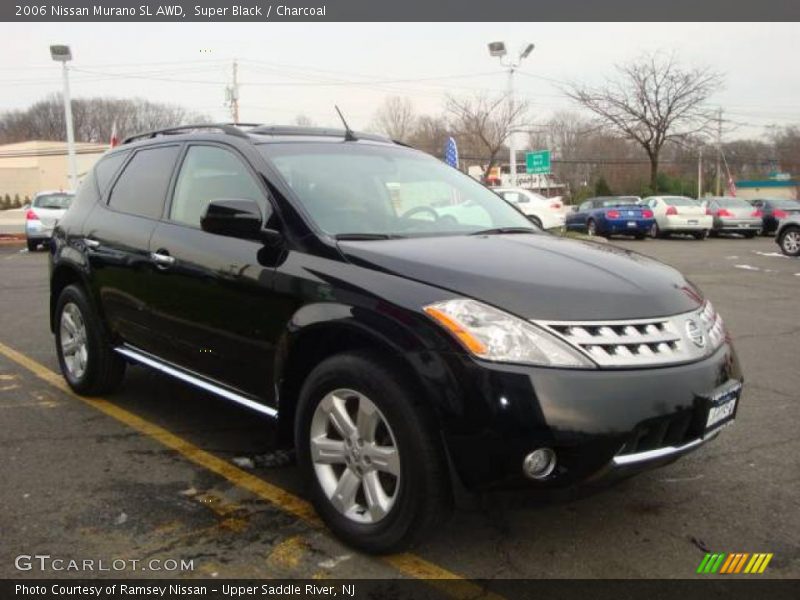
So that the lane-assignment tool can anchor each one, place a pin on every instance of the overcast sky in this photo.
(283, 66)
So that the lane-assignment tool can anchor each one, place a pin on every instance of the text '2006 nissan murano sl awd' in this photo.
(408, 329)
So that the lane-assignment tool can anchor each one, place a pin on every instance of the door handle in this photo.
(162, 259)
(90, 243)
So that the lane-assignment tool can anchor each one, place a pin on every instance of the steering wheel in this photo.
(420, 209)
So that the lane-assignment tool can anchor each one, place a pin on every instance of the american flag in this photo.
(451, 153)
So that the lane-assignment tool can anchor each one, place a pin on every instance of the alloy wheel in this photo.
(74, 346)
(355, 456)
(791, 242)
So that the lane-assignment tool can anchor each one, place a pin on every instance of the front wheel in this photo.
(789, 241)
(87, 360)
(369, 454)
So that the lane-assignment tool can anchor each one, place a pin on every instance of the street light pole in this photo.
(63, 54)
(498, 49)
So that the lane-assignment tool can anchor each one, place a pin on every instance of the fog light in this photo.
(539, 463)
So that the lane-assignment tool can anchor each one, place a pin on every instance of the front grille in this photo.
(644, 342)
(672, 430)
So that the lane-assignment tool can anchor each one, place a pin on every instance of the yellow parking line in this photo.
(408, 564)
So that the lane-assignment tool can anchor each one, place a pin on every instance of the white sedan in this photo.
(679, 214)
(45, 211)
(547, 213)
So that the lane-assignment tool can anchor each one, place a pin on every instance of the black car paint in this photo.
(254, 316)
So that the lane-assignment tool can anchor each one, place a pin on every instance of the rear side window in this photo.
(106, 168)
(142, 186)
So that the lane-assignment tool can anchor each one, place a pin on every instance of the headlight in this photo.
(492, 334)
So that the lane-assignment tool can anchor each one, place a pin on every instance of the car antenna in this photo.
(349, 136)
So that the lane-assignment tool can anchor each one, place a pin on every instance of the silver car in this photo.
(45, 211)
(787, 235)
(733, 215)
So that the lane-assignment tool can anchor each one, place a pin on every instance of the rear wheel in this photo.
(32, 245)
(655, 232)
(536, 221)
(88, 363)
(789, 241)
(751, 234)
(700, 235)
(591, 227)
(370, 454)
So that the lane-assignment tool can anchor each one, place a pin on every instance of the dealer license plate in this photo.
(631, 223)
(692, 221)
(722, 405)
(742, 225)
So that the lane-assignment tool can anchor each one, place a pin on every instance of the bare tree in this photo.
(303, 120)
(395, 118)
(93, 119)
(486, 122)
(653, 100)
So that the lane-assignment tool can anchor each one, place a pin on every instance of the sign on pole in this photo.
(538, 162)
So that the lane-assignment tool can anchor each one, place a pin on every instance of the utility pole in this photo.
(700, 174)
(232, 93)
(719, 151)
(63, 54)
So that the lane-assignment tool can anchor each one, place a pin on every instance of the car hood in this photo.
(536, 276)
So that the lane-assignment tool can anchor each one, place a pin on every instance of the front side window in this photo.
(142, 187)
(354, 188)
(211, 173)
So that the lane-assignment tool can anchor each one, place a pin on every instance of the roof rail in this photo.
(226, 128)
(314, 132)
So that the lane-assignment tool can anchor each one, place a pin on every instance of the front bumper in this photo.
(597, 421)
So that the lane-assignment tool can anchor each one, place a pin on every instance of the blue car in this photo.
(612, 215)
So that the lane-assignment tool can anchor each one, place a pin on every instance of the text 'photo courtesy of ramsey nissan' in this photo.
(403, 301)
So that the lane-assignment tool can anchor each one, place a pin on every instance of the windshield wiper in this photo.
(495, 230)
(367, 236)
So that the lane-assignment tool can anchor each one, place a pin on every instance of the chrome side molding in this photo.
(150, 361)
(639, 457)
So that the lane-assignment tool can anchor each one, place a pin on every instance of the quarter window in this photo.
(211, 173)
(106, 168)
(142, 187)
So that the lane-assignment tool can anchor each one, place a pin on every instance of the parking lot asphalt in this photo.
(149, 472)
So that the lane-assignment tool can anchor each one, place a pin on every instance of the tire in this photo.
(416, 501)
(94, 368)
(32, 245)
(701, 235)
(536, 221)
(655, 231)
(789, 241)
(751, 234)
(640, 236)
(591, 228)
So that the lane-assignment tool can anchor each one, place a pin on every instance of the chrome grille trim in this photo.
(644, 342)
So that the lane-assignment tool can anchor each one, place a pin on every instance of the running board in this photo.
(145, 359)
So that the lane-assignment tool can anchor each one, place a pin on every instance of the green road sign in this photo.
(538, 162)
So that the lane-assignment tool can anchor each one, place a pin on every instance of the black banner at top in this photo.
(398, 10)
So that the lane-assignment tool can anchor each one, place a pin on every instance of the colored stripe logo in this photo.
(734, 563)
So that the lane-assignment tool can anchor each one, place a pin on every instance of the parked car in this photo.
(733, 215)
(678, 214)
(788, 235)
(547, 213)
(286, 269)
(772, 210)
(612, 215)
(45, 211)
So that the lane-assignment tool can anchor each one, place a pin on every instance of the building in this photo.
(27, 167)
(779, 185)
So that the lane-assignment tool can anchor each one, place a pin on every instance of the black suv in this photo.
(410, 331)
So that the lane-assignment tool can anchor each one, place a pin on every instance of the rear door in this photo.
(117, 235)
(213, 306)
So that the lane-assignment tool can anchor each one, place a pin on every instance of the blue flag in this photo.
(451, 153)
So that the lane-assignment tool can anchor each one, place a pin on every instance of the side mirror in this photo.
(233, 218)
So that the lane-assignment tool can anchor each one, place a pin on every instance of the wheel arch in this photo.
(63, 275)
(317, 332)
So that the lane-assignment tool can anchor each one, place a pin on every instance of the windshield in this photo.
(680, 201)
(621, 201)
(732, 203)
(353, 188)
(53, 201)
